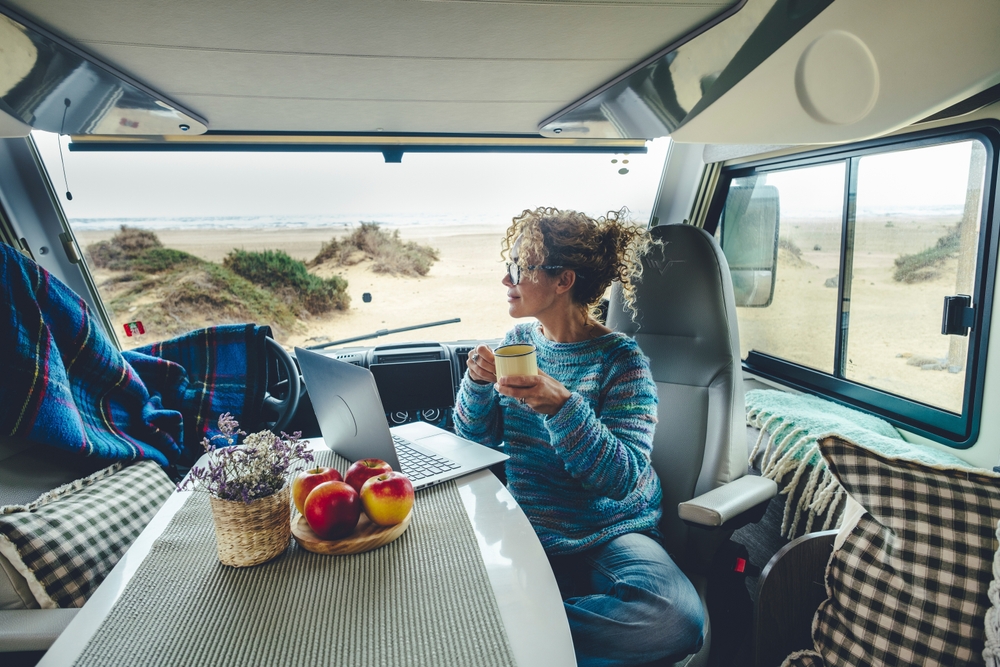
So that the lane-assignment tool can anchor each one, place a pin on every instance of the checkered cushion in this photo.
(909, 584)
(67, 541)
(804, 659)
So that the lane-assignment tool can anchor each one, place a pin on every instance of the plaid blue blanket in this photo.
(65, 384)
(201, 375)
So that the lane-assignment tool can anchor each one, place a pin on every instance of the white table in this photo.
(519, 572)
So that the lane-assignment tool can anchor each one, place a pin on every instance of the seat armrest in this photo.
(728, 501)
(32, 629)
(791, 587)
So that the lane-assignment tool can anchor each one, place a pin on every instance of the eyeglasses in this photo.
(514, 270)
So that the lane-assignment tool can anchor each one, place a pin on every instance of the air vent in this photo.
(400, 354)
(461, 354)
(350, 358)
(398, 358)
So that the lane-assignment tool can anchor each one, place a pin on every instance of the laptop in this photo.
(352, 419)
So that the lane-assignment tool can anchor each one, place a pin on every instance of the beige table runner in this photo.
(424, 599)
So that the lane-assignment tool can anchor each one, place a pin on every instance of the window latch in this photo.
(959, 315)
(70, 247)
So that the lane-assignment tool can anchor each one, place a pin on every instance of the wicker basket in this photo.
(252, 533)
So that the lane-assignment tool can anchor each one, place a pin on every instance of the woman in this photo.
(579, 436)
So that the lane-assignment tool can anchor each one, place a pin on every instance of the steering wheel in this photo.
(281, 397)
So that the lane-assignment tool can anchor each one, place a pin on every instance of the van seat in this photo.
(28, 469)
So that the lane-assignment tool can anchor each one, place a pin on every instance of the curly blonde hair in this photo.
(600, 251)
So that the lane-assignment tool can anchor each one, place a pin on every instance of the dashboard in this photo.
(417, 381)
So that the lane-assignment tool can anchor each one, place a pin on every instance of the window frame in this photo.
(956, 430)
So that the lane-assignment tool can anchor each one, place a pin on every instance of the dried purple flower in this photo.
(257, 468)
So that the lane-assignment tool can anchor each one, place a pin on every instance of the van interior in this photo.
(342, 173)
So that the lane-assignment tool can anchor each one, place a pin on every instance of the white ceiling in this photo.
(457, 66)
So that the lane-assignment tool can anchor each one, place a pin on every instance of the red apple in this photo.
(307, 480)
(332, 510)
(388, 498)
(364, 469)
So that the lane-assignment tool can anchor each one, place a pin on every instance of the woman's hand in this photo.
(481, 365)
(542, 393)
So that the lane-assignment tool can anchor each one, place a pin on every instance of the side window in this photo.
(869, 244)
(916, 241)
(799, 323)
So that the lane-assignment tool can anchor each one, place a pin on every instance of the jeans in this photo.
(628, 603)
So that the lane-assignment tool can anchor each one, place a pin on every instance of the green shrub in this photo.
(278, 272)
(270, 268)
(137, 250)
(922, 266)
(157, 260)
(388, 252)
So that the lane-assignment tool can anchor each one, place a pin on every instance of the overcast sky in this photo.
(931, 176)
(122, 185)
(479, 187)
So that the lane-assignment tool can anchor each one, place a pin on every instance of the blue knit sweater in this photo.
(583, 475)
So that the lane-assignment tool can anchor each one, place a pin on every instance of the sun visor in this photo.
(12, 127)
(49, 84)
(392, 146)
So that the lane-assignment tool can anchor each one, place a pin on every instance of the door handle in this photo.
(959, 316)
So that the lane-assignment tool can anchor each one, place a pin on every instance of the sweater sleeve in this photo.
(609, 454)
(477, 413)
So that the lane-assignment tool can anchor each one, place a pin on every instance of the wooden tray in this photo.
(366, 536)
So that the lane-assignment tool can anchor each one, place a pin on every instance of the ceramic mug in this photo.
(515, 360)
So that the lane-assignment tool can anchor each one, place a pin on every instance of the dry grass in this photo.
(388, 252)
(925, 265)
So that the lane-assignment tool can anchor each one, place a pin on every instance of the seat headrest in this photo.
(685, 291)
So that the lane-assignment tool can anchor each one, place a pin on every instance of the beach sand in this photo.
(463, 283)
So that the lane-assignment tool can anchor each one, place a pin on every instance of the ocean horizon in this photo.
(334, 222)
(411, 221)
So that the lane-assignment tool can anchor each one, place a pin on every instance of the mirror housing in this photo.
(750, 242)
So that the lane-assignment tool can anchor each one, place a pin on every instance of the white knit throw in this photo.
(791, 426)
(820, 497)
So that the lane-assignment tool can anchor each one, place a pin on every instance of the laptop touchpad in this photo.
(443, 443)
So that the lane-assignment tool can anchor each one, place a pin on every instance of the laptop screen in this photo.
(414, 385)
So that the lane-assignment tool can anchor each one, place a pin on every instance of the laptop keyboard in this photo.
(417, 465)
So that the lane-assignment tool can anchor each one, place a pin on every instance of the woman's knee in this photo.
(655, 596)
(685, 618)
(674, 617)
(642, 563)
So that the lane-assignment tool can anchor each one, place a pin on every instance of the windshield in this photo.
(321, 246)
